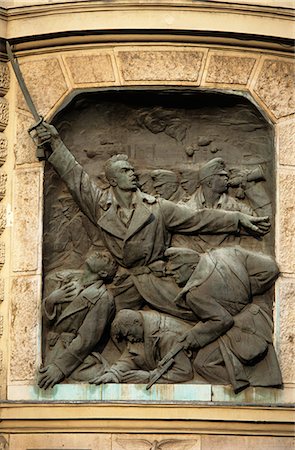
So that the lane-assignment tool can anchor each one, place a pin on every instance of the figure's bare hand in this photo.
(46, 133)
(255, 225)
(49, 376)
(189, 341)
(104, 379)
(136, 376)
(61, 295)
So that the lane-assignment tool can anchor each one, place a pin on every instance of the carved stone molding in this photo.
(3, 148)
(156, 442)
(4, 78)
(3, 180)
(4, 114)
(1, 290)
(2, 254)
(2, 218)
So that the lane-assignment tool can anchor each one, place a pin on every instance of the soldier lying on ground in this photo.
(149, 336)
(79, 314)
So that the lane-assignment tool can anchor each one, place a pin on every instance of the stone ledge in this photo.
(176, 393)
(145, 418)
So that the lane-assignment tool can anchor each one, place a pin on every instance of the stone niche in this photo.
(169, 137)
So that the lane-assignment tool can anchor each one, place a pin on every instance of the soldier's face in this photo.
(180, 273)
(166, 190)
(135, 333)
(124, 177)
(219, 183)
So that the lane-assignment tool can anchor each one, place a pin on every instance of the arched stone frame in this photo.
(53, 78)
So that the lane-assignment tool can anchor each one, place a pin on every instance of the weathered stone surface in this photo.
(4, 442)
(286, 329)
(229, 69)
(276, 86)
(156, 441)
(286, 142)
(24, 148)
(90, 68)
(27, 220)
(4, 113)
(161, 65)
(1, 290)
(2, 218)
(286, 225)
(2, 254)
(25, 303)
(45, 81)
(59, 441)
(3, 148)
(3, 180)
(221, 442)
(4, 78)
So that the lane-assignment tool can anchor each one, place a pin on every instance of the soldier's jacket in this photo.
(161, 333)
(222, 285)
(78, 327)
(148, 234)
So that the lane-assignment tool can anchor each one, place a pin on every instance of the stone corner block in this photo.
(225, 68)
(286, 329)
(161, 65)
(45, 81)
(27, 216)
(276, 86)
(25, 322)
(286, 142)
(24, 148)
(90, 68)
(286, 223)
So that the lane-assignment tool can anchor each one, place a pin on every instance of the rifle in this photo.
(165, 364)
(38, 118)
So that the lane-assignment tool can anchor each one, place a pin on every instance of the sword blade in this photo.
(21, 82)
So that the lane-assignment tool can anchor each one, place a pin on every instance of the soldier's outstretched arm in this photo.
(186, 220)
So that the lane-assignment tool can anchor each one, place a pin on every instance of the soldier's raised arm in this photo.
(84, 191)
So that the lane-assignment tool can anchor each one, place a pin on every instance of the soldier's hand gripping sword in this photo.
(40, 153)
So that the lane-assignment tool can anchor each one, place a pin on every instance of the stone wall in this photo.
(54, 75)
(53, 78)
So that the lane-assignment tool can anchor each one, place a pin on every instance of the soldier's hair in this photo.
(123, 322)
(103, 261)
(109, 165)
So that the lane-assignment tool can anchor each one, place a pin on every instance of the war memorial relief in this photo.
(158, 241)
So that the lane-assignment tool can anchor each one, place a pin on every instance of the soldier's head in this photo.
(68, 206)
(128, 326)
(120, 173)
(102, 265)
(214, 176)
(165, 182)
(181, 262)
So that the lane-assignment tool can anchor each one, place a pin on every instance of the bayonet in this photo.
(165, 364)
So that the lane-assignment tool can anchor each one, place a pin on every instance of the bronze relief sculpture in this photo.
(185, 256)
